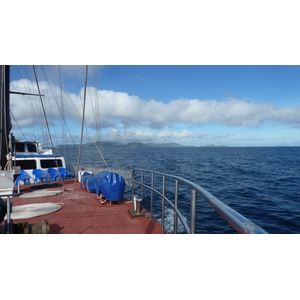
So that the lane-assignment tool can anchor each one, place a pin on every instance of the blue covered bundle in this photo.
(84, 177)
(111, 185)
(90, 184)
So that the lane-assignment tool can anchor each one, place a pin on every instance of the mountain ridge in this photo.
(130, 145)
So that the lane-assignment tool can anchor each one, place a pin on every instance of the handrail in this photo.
(181, 218)
(236, 220)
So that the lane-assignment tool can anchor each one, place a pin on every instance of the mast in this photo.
(5, 121)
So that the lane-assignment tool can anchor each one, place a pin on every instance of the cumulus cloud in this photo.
(111, 109)
(184, 137)
(132, 111)
(165, 136)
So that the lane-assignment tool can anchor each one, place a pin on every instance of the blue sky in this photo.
(279, 84)
(196, 105)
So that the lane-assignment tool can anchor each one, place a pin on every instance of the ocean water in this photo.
(261, 183)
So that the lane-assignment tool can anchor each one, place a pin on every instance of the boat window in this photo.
(51, 163)
(20, 147)
(31, 147)
(26, 164)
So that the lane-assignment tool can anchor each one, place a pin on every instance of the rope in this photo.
(96, 109)
(47, 125)
(33, 210)
(83, 118)
(61, 109)
(82, 128)
(62, 114)
(43, 108)
(18, 125)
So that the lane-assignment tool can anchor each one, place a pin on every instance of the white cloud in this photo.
(123, 113)
(184, 137)
(132, 111)
(127, 110)
(165, 136)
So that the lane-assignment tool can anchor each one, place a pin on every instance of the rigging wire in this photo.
(64, 126)
(28, 88)
(62, 106)
(83, 118)
(34, 108)
(47, 125)
(43, 108)
(37, 126)
(83, 123)
(61, 110)
(96, 114)
(75, 108)
(82, 129)
(18, 125)
(36, 111)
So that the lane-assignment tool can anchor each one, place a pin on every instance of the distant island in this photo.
(214, 146)
(128, 145)
(136, 145)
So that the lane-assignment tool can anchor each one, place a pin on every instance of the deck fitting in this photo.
(135, 214)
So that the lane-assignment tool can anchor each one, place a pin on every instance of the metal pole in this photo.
(142, 181)
(151, 201)
(5, 123)
(176, 206)
(132, 186)
(193, 211)
(8, 220)
(163, 205)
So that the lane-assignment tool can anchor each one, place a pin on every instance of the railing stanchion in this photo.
(163, 205)
(176, 206)
(142, 181)
(132, 185)
(193, 211)
(151, 201)
(8, 221)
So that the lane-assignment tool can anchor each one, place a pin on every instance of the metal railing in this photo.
(236, 220)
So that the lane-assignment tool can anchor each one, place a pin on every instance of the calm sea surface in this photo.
(262, 183)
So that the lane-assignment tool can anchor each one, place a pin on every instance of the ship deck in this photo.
(82, 212)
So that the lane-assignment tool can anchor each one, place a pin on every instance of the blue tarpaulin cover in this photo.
(84, 178)
(110, 184)
(90, 184)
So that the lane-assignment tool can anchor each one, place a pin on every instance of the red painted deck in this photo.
(83, 213)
